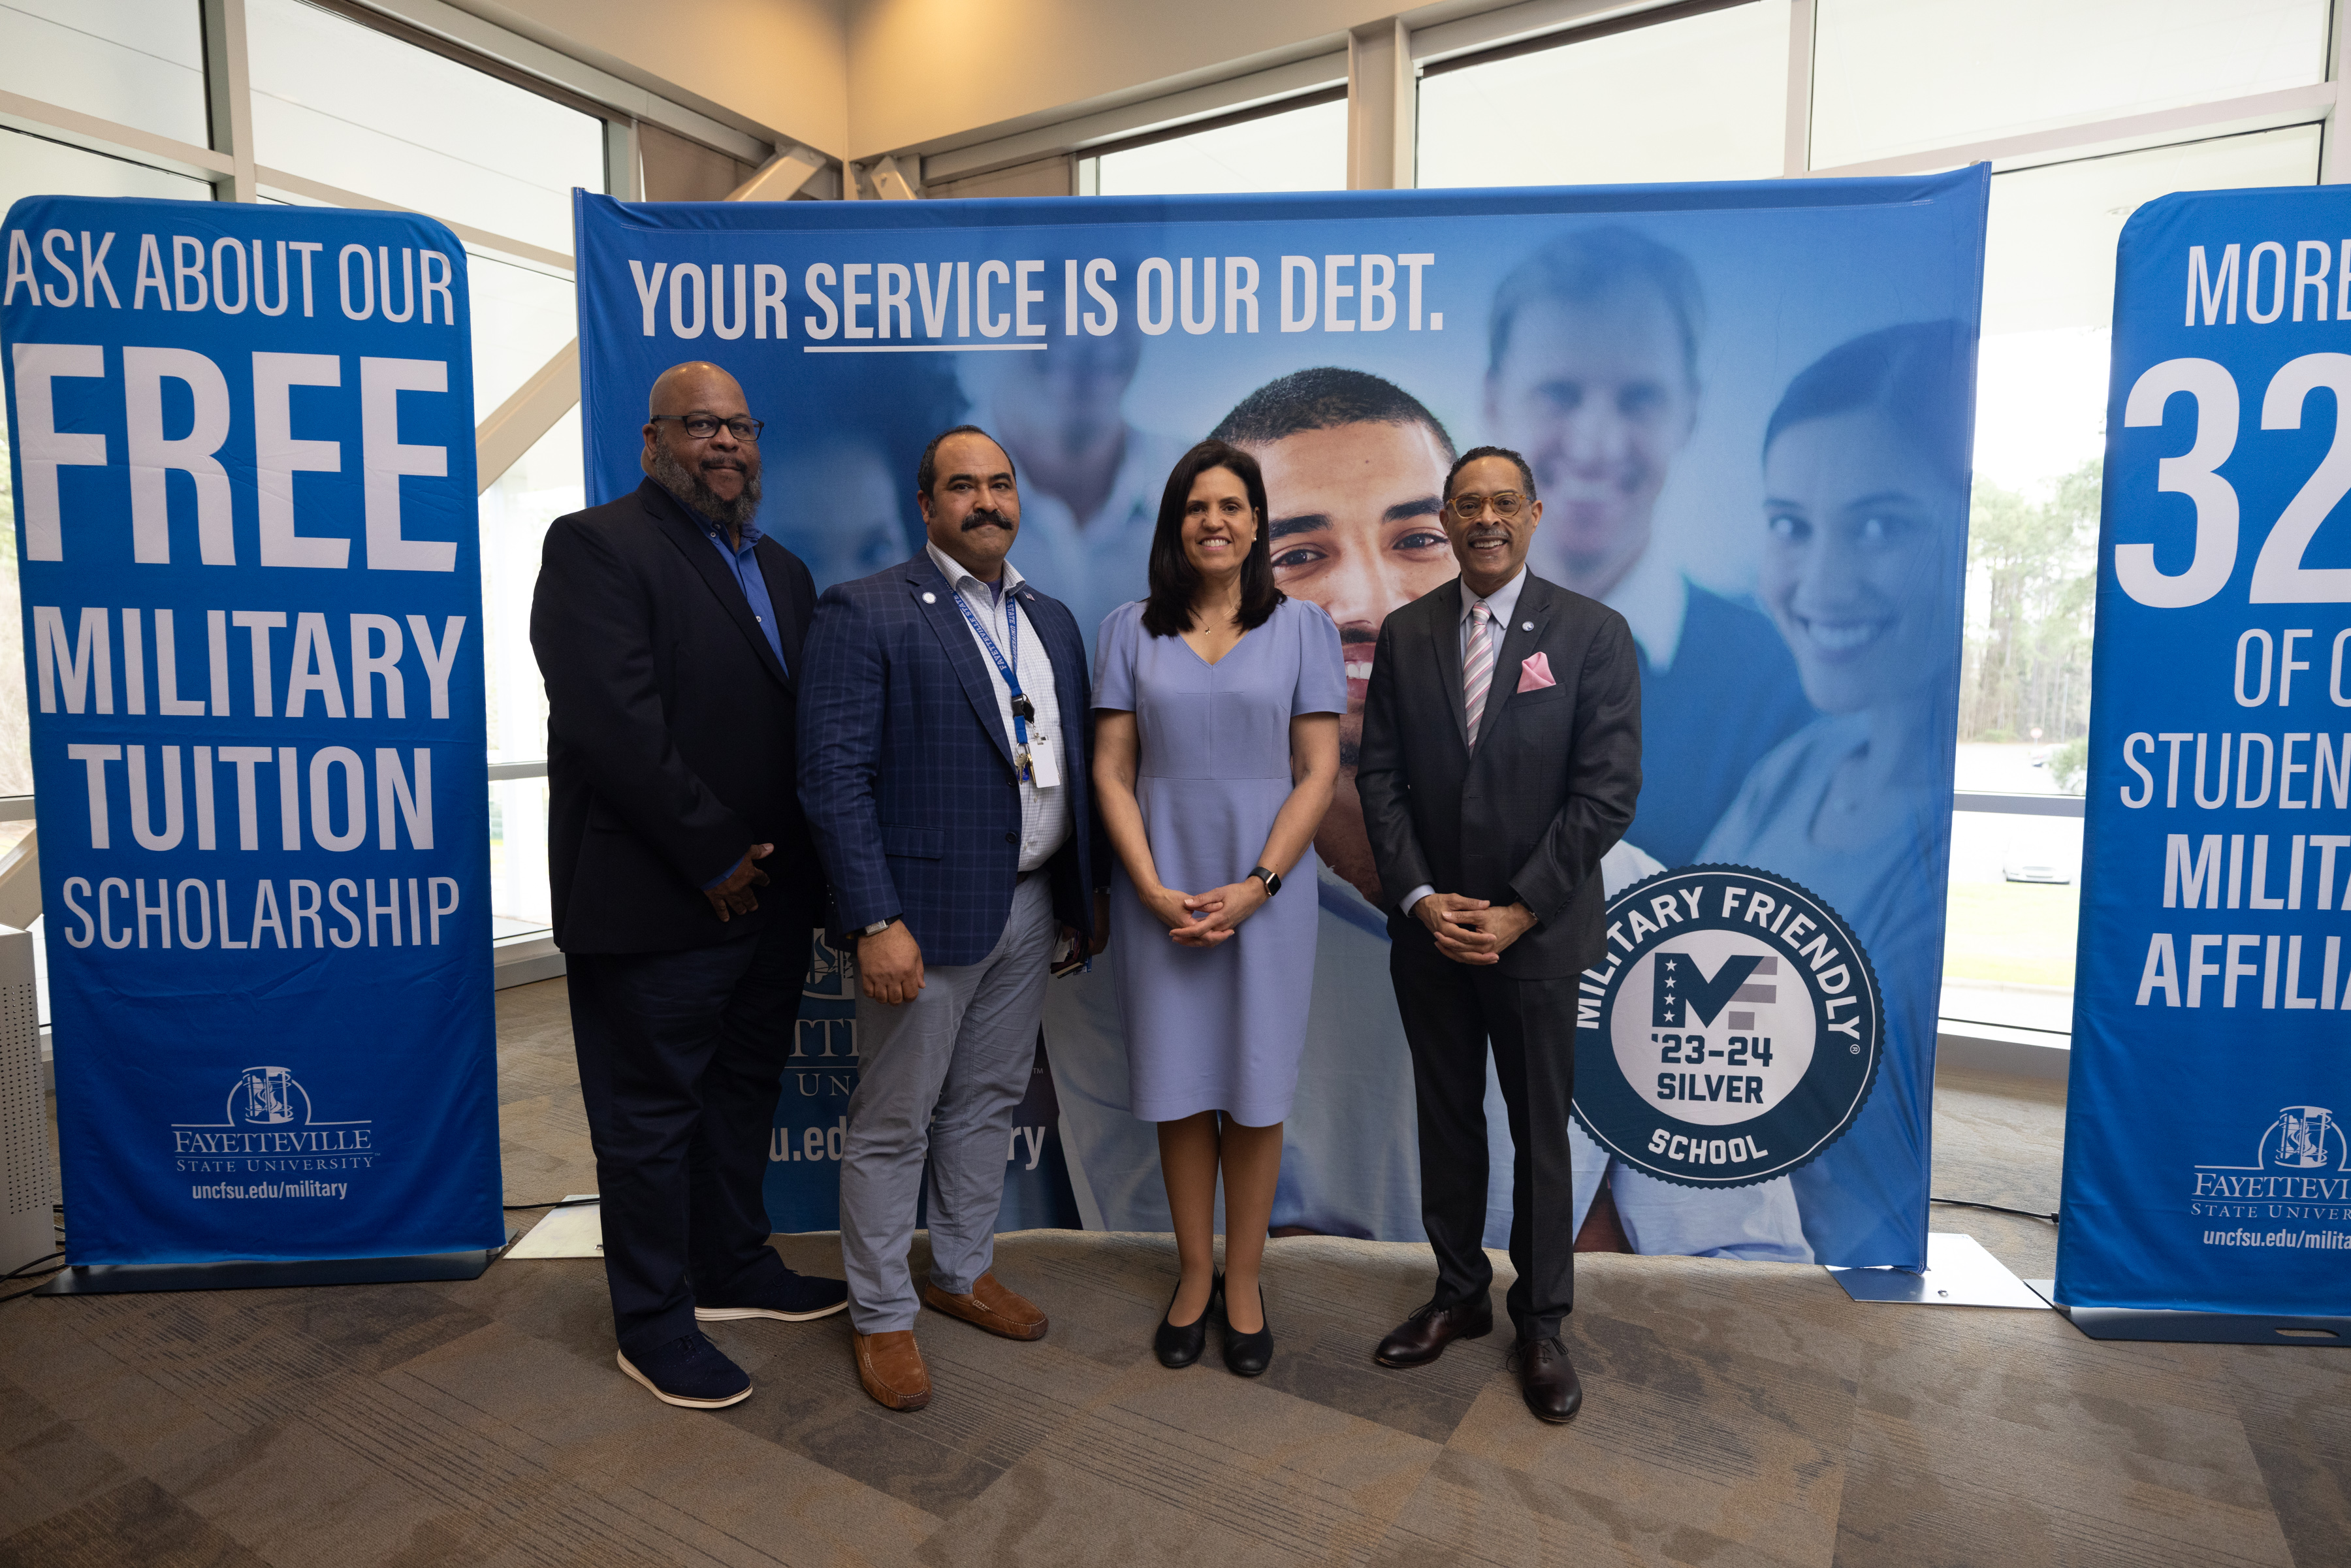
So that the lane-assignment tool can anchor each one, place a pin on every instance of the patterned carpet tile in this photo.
(1736, 1414)
(1195, 1466)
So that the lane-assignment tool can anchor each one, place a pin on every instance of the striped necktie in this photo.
(1477, 667)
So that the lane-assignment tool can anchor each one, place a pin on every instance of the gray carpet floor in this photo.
(1736, 1414)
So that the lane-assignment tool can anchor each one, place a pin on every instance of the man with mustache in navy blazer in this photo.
(945, 754)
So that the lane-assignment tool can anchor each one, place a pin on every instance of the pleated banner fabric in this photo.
(2206, 1166)
(241, 443)
(1748, 409)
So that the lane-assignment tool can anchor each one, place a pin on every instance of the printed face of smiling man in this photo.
(1357, 527)
(1598, 395)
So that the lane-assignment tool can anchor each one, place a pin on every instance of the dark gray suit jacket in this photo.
(1549, 789)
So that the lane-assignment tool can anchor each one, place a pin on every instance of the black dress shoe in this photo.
(1547, 1380)
(1180, 1347)
(1248, 1354)
(1422, 1337)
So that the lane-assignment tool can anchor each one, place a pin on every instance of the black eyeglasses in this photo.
(702, 426)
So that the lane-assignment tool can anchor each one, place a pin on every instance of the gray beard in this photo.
(688, 487)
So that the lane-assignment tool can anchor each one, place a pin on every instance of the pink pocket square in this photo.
(1534, 673)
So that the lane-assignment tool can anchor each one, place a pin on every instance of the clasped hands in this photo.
(1471, 930)
(1206, 919)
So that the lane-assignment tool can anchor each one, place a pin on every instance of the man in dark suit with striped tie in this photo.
(946, 757)
(1502, 759)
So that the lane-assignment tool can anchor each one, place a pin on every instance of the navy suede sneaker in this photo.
(691, 1372)
(794, 1299)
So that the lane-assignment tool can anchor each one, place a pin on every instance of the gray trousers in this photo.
(940, 1075)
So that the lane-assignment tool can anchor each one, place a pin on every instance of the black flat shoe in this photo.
(1248, 1354)
(1180, 1347)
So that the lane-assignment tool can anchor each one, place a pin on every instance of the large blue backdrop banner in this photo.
(2206, 1160)
(242, 441)
(1748, 410)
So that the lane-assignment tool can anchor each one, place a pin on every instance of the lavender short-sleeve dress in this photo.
(1220, 1029)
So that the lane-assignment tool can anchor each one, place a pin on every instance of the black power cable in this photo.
(25, 1271)
(1994, 1208)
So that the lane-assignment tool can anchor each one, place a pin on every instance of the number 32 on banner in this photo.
(2279, 575)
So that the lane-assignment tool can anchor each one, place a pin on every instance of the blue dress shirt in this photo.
(745, 564)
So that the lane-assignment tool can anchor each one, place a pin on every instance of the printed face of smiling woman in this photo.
(1857, 558)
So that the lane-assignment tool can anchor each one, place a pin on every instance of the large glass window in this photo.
(519, 900)
(31, 166)
(522, 315)
(136, 62)
(544, 485)
(2039, 437)
(1891, 77)
(1296, 150)
(353, 108)
(1700, 98)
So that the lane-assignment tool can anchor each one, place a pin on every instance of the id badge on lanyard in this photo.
(1034, 758)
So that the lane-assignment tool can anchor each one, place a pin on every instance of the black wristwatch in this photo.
(878, 927)
(1272, 880)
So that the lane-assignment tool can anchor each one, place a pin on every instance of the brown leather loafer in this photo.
(891, 1367)
(1422, 1337)
(1547, 1380)
(991, 1307)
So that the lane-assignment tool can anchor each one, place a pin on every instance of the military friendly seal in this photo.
(1734, 1032)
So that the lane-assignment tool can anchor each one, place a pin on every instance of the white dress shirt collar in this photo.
(1502, 602)
(957, 574)
(1653, 599)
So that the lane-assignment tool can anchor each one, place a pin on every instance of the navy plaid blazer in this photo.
(906, 773)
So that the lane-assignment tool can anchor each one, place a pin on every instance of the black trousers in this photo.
(1451, 1011)
(681, 1062)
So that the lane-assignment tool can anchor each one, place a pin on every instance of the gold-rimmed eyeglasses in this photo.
(1470, 506)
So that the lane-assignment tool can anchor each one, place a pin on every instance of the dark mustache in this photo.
(985, 519)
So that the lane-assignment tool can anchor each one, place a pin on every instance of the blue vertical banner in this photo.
(241, 443)
(2206, 1161)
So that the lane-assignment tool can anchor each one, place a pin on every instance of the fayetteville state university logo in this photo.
(1733, 1032)
(268, 1127)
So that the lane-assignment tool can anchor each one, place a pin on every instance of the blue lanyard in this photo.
(1009, 670)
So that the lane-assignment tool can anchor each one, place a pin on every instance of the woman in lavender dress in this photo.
(1217, 747)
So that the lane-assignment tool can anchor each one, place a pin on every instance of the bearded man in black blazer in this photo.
(685, 887)
(1502, 759)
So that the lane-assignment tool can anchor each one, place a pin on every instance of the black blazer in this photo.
(1548, 791)
(670, 733)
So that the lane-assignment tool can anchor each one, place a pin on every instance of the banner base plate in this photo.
(574, 1232)
(1958, 1273)
(117, 1278)
(2157, 1326)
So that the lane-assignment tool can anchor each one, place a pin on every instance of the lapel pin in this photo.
(1526, 625)
(930, 599)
